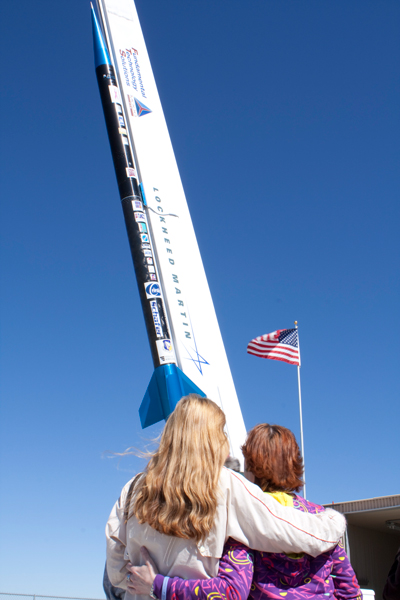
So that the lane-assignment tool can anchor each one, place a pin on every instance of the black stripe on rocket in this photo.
(138, 230)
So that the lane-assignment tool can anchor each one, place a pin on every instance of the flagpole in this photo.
(301, 418)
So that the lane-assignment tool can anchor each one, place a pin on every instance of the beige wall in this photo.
(372, 554)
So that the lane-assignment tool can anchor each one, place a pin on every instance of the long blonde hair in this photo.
(178, 493)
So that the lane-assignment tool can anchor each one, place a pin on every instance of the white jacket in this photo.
(244, 513)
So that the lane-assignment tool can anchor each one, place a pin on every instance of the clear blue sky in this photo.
(284, 116)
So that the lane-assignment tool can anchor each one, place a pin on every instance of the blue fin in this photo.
(167, 386)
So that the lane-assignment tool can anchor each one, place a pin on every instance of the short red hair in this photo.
(273, 456)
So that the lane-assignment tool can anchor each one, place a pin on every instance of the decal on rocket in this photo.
(141, 108)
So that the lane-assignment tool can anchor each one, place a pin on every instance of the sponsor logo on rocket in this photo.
(153, 290)
(165, 351)
(130, 172)
(137, 205)
(115, 95)
(156, 318)
(141, 108)
(167, 345)
(139, 216)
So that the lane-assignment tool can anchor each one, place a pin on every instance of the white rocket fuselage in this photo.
(198, 349)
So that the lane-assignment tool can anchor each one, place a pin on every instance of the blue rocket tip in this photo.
(101, 56)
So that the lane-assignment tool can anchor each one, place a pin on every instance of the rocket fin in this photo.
(167, 386)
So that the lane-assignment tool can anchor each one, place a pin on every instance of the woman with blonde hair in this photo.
(185, 505)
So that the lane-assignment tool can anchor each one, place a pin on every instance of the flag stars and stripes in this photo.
(282, 344)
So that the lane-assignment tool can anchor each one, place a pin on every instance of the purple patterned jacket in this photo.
(261, 575)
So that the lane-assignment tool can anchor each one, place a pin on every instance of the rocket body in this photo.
(184, 336)
(133, 208)
(168, 384)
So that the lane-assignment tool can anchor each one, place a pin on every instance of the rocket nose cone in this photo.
(101, 55)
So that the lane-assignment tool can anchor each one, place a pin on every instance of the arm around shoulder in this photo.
(233, 581)
(260, 522)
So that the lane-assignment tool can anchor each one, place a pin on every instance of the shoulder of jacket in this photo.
(229, 479)
(224, 475)
(239, 485)
(127, 486)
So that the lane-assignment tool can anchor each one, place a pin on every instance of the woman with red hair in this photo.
(272, 461)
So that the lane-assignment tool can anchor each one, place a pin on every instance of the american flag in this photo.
(279, 345)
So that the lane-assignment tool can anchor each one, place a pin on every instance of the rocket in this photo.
(182, 327)
(168, 383)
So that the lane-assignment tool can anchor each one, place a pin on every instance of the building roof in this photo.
(382, 513)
